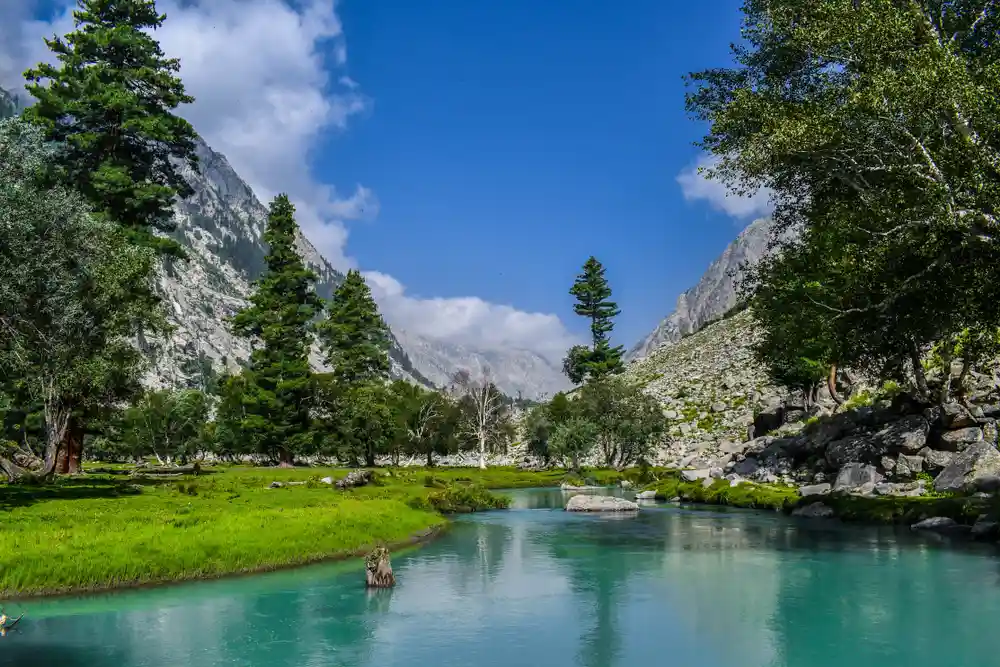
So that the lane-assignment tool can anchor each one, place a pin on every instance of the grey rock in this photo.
(714, 294)
(275, 485)
(707, 482)
(734, 480)
(625, 484)
(719, 407)
(694, 475)
(815, 510)
(907, 435)
(354, 479)
(670, 414)
(985, 529)
(960, 439)
(715, 473)
(857, 478)
(955, 416)
(327, 480)
(935, 524)
(855, 449)
(908, 489)
(936, 460)
(730, 447)
(908, 466)
(649, 494)
(588, 503)
(815, 490)
(975, 469)
(746, 467)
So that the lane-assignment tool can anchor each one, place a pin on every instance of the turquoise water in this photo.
(539, 586)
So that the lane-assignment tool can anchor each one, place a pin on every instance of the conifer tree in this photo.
(277, 396)
(354, 337)
(593, 295)
(108, 102)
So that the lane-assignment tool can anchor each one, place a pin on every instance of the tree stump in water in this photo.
(378, 569)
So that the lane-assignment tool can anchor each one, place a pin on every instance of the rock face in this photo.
(378, 569)
(714, 294)
(600, 504)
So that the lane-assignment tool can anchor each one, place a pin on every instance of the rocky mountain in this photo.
(713, 295)
(514, 371)
(221, 227)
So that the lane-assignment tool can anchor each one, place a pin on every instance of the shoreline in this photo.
(416, 540)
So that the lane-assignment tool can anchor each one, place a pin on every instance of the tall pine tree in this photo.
(354, 337)
(593, 295)
(108, 101)
(277, 387)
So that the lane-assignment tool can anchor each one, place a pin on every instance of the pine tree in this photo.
(354, 337)
(592, 294)
(108, 102)
(277, 396)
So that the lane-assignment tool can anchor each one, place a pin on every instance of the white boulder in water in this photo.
(600, 504)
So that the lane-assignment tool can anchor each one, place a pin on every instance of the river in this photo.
(535, 585)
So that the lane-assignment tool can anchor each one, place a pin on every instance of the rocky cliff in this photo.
(713, 295)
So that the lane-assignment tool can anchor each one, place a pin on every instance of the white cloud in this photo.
(463, 320)
(268, 79)
(696, 186)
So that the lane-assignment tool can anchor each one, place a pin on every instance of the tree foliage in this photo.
(277, 387)
(354, 337)
(573, 439)
(593, 294)
(66, 281)
(873, 124)
(168, 424)
(108, 102)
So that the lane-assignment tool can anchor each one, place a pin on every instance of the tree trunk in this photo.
(482, 452)
(285, 458)
(73, 443)
(430, 458)
(919, 377)
(831, 385)
(947, 354)
(62, 460)
(369, 459)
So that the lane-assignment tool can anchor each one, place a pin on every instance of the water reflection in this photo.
(670, 585)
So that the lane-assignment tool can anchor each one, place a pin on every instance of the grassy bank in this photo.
(103, 531)
(878, 509)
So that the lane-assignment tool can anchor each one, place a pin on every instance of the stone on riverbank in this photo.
(646, 495)
(815, 490)
(584, 503)
(355, 478)
(975, 469)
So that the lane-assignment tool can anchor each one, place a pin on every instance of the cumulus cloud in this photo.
(697, 187)
(464, 319)
(269, 81)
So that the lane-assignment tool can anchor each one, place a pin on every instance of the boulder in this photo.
(734, 480)
(326, 480)
(908, 467)
(908, 434)
(815, 510)
(583, 503)
(649, 494)
(815, 490)
(746, 467)
(907, 489)
(716, 473)
(939, 524)
(729, 447)
(354, 478)
(935, 460)
(719, 407)
(857, 478)
(855, 449)
(985, 529)
(625, 484)
(955, 416)
(694, 475)
(960, 439)
(975, 469)
(770, 417)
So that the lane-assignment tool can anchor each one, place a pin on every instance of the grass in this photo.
(105, 531)
(747, 495)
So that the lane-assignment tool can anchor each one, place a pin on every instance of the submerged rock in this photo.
(815, 510)
(600, 504)
(984, 529)
(938, 524)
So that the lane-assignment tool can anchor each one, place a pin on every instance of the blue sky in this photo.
(508, 141)
(467, 155)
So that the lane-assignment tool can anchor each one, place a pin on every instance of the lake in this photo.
(535, 585)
